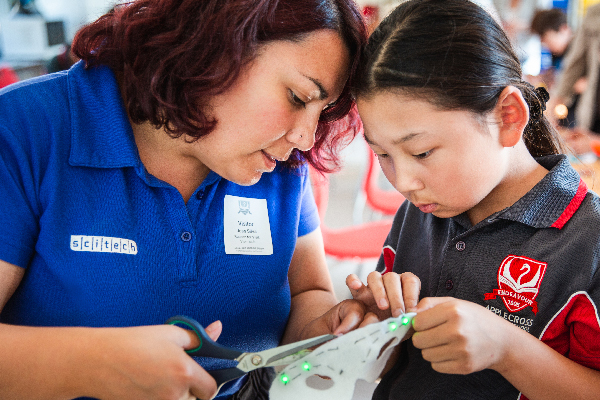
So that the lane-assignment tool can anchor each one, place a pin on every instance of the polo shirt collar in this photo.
(101, 134)
(554, 200)
(550, 204)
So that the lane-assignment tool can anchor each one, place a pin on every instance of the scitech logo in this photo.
(103, 244)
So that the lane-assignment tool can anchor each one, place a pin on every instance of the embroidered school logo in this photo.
(519, 280)
(244, 207)
(389, 255)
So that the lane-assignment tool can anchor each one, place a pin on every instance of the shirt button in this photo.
(460, 246)
(186, 236)
(449, 284)
(200, 194)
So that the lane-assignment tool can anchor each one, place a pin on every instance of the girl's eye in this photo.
(296, 100)
(381, 155)
(423, 155)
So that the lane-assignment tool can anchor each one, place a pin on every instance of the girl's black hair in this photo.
(453, 54)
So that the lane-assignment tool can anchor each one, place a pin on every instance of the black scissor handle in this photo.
(207, 347)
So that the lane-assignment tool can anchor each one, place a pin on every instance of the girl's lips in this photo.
(427, 208)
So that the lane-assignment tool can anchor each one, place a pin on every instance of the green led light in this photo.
(405, 320)
(285, 379)
(392, 326)
(306, 366)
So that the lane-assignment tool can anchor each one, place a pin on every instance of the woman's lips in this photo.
(270, 161)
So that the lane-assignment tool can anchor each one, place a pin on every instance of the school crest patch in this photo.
(519, 280)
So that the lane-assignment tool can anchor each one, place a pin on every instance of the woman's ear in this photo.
(514, 116)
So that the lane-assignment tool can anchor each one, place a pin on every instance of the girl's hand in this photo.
(457, 336)
(388, 295)
(149, 362)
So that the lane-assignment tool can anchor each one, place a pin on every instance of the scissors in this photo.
(247, 362)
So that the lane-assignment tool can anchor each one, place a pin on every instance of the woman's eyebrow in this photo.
(323, 93)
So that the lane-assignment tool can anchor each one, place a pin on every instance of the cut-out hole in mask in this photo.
(319, 383)
(360, 354)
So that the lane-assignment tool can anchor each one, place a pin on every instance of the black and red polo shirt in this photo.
(534, 263)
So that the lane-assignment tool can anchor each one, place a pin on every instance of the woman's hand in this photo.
(340, 319)
(149, 362)
(388, 295)
(459, 337)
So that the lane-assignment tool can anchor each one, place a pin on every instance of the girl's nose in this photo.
(404, 181)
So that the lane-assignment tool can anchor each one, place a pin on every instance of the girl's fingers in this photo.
(394, 292)
(429, 339)
(411, 288)
(359, 291)
(353, 283)
(375, 282)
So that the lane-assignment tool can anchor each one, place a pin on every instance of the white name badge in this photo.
(246, 226)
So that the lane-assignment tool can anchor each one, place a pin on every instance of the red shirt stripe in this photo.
(572, 207)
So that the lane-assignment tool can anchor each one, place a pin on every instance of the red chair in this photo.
(377, 199)
(7, 76)
(362, 241)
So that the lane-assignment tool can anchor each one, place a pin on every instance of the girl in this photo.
(500, 230)
(161, 175)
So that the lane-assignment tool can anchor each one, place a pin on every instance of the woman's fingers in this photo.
(202, 386)
(214, 330)
(370, 318)
(350, 314)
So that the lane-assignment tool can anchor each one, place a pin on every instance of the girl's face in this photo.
(444, 162)
(274, 106)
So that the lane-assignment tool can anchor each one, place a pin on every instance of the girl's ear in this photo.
(514, 116)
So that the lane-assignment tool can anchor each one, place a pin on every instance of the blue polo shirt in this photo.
(106, 244)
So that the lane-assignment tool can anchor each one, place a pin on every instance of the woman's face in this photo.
(444, 162)
(274, 107)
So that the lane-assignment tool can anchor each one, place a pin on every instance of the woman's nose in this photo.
(302, 135)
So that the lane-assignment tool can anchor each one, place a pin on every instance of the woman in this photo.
(163, 175)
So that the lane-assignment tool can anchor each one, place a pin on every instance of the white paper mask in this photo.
(345, 359)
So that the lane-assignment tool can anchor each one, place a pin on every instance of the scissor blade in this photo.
(290, 359)
(281, 352)
(281, 355)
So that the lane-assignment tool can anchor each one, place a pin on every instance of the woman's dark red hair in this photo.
(173, 55)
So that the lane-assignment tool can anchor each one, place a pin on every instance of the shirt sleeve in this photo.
(309, 215)
(19, 226)
(575, 330)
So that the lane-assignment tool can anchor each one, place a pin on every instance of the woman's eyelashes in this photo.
(296, 100)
